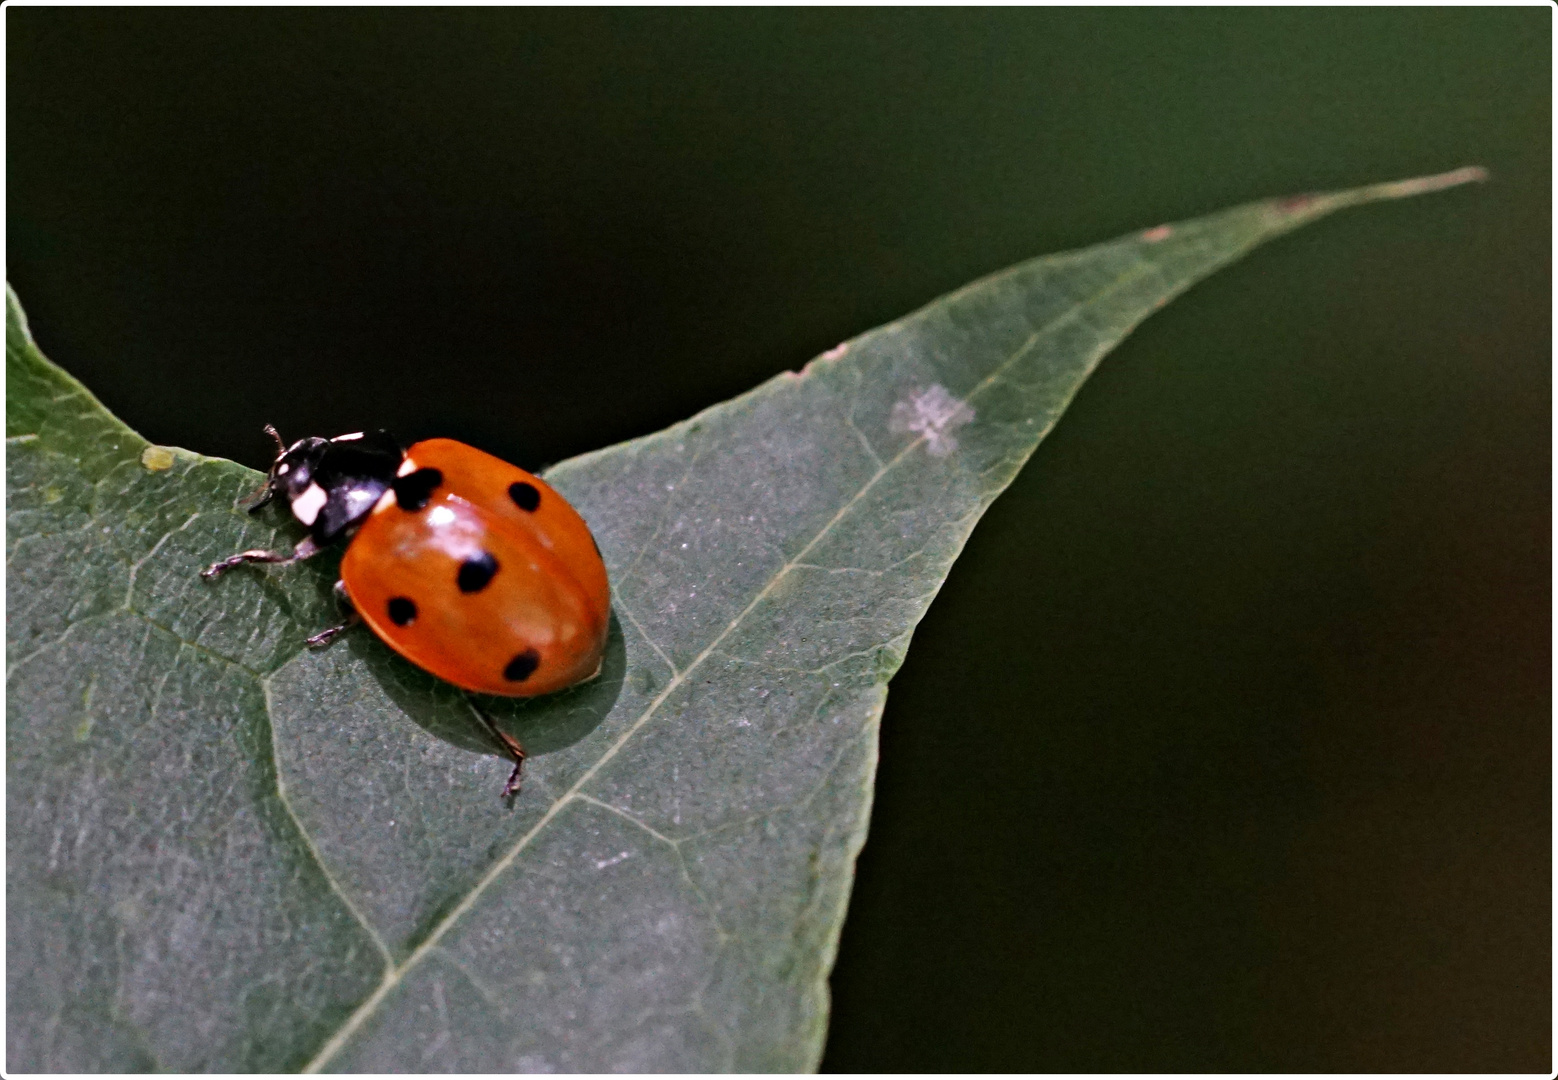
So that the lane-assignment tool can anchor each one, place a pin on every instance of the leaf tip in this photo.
(1293, 210)
(1419, 185)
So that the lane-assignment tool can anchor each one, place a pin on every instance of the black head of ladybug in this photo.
(331, 484)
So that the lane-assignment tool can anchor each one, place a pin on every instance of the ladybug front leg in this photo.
(348, 609)
(305, 548)
(511, 746)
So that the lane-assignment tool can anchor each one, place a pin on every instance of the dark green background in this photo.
(1227, 744)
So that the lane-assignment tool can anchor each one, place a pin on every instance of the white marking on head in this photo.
(407, 467)
(386, 501)
(357, 501)
(933, 414)
(345, 438)
(440, 515)
(283, 469)
(306, 506)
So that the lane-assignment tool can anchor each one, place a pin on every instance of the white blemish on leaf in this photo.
(934, 414)
(601, 864)
(1161, 232)
(837, 351)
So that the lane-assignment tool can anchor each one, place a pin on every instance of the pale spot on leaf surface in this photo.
(157, 458)
(934, 414)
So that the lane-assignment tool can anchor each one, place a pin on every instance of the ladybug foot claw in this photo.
(512, 747)
(325, 637)
(217, 569)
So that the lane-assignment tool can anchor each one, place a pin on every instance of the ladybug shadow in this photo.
(543, 724)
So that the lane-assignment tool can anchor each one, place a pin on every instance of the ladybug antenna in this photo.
(256, 502)
(281, 447)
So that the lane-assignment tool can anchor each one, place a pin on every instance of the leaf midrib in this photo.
(395, 974)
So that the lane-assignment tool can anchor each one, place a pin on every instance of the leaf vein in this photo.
(395, 974)
(622, 607)
(669, 505)
(681, 858)
(308, 840)
(135, 567)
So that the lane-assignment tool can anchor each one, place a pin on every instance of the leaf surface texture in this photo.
(230, 853)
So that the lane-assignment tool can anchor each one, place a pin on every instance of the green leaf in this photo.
(230, 853)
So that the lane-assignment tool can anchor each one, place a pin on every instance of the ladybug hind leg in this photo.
(350, 616)
(305, 549)
(513, 749)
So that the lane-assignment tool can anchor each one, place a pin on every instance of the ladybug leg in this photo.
(349, 611)
(511, 746)
(304, 549)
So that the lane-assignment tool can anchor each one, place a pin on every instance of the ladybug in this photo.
(469, 567)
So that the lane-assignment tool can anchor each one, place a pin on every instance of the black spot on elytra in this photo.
(476, 571)
(522, 666)
(414, 489)
(525, 496)
(402, 612)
